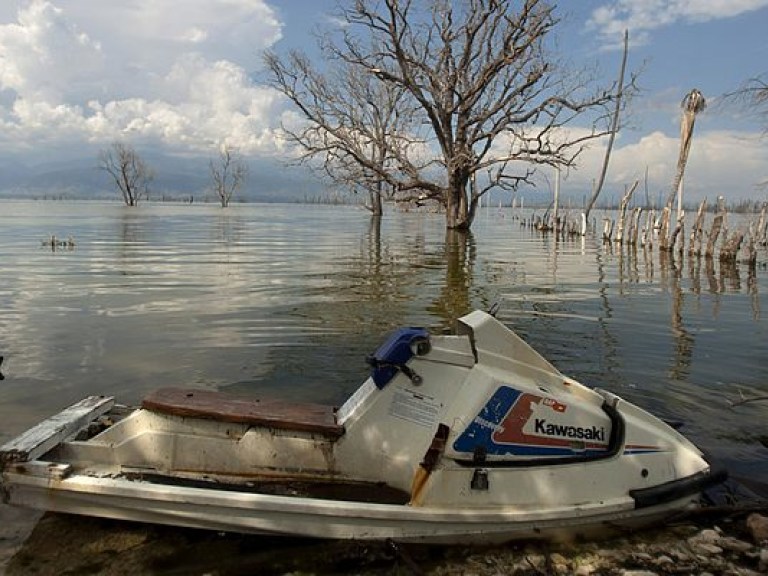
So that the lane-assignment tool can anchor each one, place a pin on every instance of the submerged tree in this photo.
(129, 172)
(356, 129)
(611, 138)
(693, 104)
(228, 174)
(482, 101)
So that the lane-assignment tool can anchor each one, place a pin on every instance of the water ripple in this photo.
(288, 300)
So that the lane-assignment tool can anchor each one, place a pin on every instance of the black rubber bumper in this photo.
(676, 489)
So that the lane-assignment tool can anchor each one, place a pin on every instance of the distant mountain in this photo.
(175, 178)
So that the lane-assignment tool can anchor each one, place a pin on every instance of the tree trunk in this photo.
(750, 254)
(459, 208)
(623, 212)
(664, 229)
(761, 233)
(649, 227)
(679, 227)
(451, 210)
(607, 229)
(697, 232)
(611, 138)
(637, 214)
(717, 225)
(693, 103)
(377, 207)
(731, 247)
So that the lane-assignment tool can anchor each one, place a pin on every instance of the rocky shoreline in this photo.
(740, 549)
(733, 544)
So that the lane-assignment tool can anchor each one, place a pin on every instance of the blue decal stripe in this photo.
(480, 430)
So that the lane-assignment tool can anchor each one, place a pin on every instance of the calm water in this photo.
(287, 300)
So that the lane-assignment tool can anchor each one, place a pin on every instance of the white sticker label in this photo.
(415, 407)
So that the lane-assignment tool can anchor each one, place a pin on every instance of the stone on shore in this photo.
(758, 527)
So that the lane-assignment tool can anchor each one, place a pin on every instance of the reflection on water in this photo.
(288, 300)
(458, 259)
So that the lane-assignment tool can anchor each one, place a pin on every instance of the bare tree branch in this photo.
(359, 130)
(478, 97)
(752, 96)
(228, 174)
(612, 136)
(129, 172)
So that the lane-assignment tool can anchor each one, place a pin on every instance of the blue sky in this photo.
(183, 77)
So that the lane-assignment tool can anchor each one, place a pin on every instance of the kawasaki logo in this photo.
(541, 426)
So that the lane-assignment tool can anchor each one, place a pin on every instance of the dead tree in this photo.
(485, 102)
(623, 212)
(228, 174)
(692, 104)
(620, 89)
(128, 171)
(357, 130)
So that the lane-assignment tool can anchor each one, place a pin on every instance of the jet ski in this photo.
(465, 438)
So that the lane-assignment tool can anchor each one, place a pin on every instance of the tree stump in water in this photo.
(697, 232)
(717, 225)
(731, 247)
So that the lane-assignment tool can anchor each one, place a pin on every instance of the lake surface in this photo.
(287, 300)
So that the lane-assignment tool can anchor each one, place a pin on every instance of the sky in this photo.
(186, 77)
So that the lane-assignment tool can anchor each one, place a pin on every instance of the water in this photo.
(287, 300)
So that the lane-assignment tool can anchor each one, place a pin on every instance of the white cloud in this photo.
(724, 163)
(76, 74)
(44, 57)
(721, 162)
(643, 17)
(175, 74)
